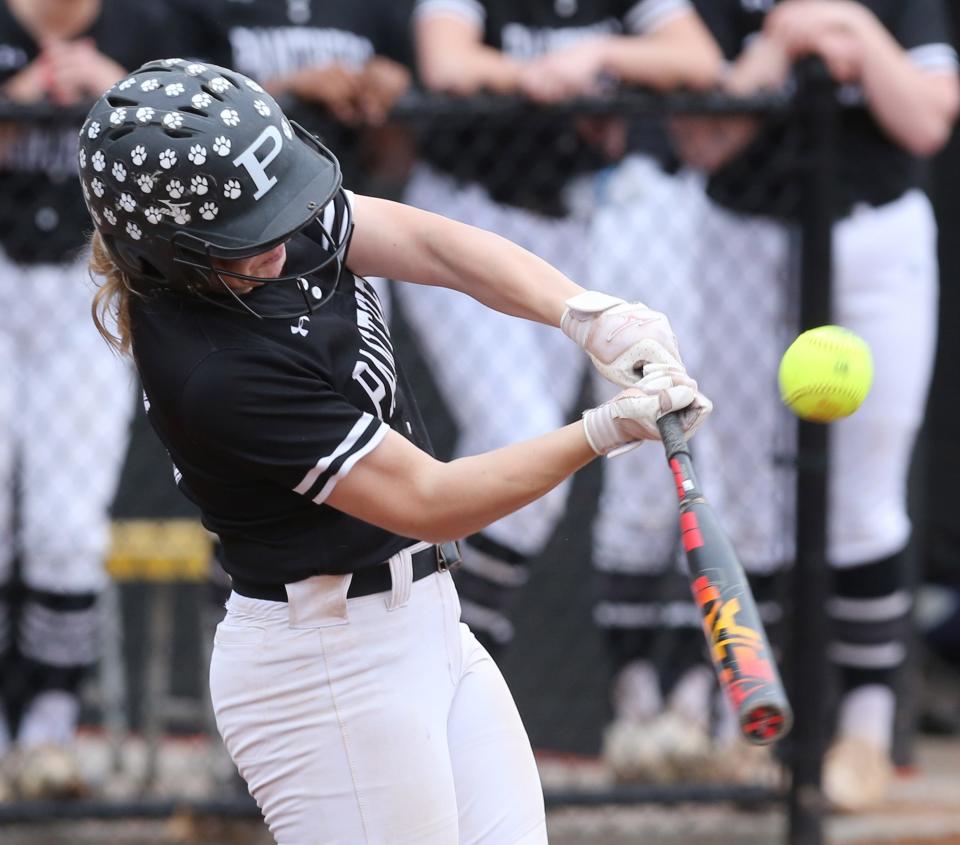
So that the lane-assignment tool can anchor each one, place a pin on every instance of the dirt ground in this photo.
(923, 809)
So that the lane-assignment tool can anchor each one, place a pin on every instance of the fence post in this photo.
(818, 109)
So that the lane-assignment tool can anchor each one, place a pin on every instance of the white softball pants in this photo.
(65, 407)
(885, 289)
(376, 720)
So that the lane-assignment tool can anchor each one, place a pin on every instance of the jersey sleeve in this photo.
(641, 17)
(470, 10)
(923, 30)
(266, 418)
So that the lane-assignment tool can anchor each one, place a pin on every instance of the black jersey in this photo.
(42, 214)
(534, 163)
(271, 39)
(872, 167)
(262, 418)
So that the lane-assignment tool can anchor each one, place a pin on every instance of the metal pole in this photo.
(808, 647)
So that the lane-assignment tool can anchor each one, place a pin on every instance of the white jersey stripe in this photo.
(374, 441)
(934, 57)
(647, 15)
(468, 10)
(345, 446)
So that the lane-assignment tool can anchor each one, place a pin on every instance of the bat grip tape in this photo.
(671, 431)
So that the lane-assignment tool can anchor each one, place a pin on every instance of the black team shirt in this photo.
(873, 169)
(262, 418)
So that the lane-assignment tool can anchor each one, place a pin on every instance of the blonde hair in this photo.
(111, 302)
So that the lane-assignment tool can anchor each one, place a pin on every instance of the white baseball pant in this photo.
(65, 406)
(375, 720)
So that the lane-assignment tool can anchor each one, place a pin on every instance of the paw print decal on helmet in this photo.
(201, 150)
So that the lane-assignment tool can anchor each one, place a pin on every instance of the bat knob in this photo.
(765, 723)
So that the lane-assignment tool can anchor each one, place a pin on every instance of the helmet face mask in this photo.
(185, 163)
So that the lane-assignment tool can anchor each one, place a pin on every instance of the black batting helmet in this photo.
(183, 163)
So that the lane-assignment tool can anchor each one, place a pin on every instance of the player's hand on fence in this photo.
(620, 337)
(631, 416)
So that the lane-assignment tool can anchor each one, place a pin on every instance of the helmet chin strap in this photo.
(301, 284)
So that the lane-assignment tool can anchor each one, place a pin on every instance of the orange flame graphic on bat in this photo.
(737, 648)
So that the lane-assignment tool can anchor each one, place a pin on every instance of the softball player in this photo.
(65, 401)
(896, 65)
(354, 703)
(546, 51)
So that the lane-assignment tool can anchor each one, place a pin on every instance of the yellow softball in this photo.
(826, 374)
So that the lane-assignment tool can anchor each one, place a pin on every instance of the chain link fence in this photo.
(582, 597)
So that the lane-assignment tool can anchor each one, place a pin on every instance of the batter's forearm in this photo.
(470, 493)
(400, 242)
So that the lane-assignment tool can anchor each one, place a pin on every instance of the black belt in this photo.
(365, 582)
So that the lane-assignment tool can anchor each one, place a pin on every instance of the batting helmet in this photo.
(183, 163)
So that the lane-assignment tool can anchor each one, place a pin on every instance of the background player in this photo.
(894, 60)
(346, 691)
(547, 52)
(65, 401)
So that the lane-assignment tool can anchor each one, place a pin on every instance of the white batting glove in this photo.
(620, 337)
(631, 416)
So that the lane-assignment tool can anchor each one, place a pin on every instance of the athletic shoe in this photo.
(856, 775)
(48, 772)
(739, 762)
(663, 749)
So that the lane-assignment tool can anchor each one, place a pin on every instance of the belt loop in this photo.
(401, 579)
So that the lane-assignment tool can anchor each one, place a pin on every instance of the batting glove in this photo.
(620, 337)
(631, 416)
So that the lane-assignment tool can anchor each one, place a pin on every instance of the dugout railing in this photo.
(556, 664)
